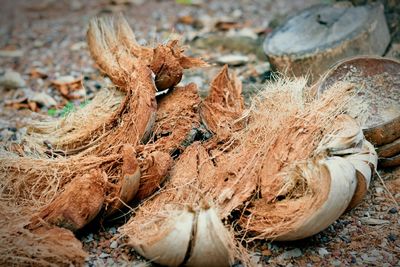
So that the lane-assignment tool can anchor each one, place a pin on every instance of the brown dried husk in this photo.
(55, 152)
(46, 246)
(277, 162)
(92, 137)
(166, 61)
(150, 229)
(77, 205)
(222, 110)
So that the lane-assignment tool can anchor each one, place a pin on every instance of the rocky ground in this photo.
(44, 61)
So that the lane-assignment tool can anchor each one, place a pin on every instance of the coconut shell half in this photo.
(170, 242)
(210, 245)
(377, 103)
(337, 178)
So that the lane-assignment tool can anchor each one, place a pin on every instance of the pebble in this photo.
(392, 237)
(393, 211)
(336, 263)
(233, 60)
(78, 46)
(294, 253)
(11, 53)
(323, 252)
(104, 255)
(372, 221)
(379, 190)
(12, 80)
(114, 244)
(112, 230)
(368, 259)
(89, 238)
(198, 80)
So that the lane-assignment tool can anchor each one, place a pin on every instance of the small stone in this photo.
(393, 211)
(392, 237)
(78, 46)
(323, 252)
(372, 221)
(12, 80)
(368, 259)
(336, 263)
(89, 238)
(112, 230)
(294, 253)
(379, 190)
(11, 53)
(104, 255)
(114, 244)
(198, 80)
(233, 60)
(65, 79)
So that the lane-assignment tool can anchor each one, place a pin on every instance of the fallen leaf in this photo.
(66, 85)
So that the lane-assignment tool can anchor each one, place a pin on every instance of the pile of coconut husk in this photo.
(289, 164)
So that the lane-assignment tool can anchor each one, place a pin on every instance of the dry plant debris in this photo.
(289, 165)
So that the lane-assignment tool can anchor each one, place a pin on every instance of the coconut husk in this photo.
(291, 147)
(166, 61)
(176, 122)
(81, 200)
(126, 188)
(180, 205)
(222, 110)
(155, 168)
(44, 246)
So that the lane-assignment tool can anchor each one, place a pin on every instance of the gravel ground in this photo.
(44, 41)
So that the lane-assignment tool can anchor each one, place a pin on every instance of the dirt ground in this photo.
(47, 38)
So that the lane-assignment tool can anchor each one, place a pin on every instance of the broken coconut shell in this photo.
(209, 244)
(168, 246)
(314, 39)
(204, 239)
(377, 103)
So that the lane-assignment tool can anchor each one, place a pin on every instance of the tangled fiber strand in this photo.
(46, 246)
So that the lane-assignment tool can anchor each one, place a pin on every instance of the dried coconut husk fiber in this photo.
(109, 136)
(278, 161)
(55, 152)
(290, 165)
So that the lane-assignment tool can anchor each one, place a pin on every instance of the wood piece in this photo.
(316, 38)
